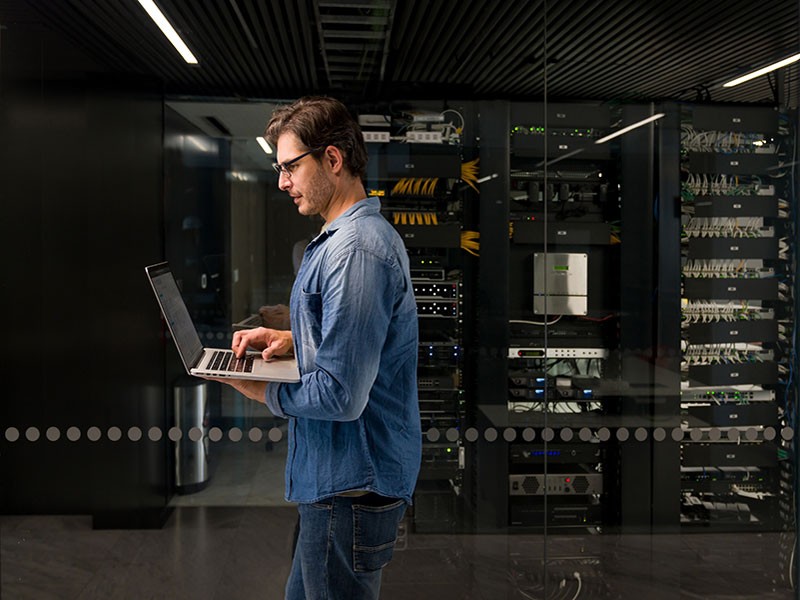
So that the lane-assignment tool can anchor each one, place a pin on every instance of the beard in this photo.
(318, 194)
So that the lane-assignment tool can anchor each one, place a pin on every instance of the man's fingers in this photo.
(272, 349)
(258, 338)
(241, 340)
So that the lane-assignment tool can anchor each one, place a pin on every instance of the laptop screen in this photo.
(174, 309)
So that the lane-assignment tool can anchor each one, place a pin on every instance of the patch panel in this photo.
(555, 484)
(515, 352)
(447, 290)
(438, 308)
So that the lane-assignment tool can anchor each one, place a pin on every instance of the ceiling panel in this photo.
(382, 49)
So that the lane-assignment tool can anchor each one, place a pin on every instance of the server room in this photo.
(597, 202)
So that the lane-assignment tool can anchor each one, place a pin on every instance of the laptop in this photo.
(210, 362)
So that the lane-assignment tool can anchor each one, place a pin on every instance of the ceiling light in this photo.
(168, 30)
(199, 143)
(624, 130)
(762, 71)
(264, 145)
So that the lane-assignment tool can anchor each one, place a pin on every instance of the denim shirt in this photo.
(354, 416)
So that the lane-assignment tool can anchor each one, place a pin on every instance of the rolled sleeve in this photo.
(272, 400)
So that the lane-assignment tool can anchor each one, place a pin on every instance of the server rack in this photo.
(421, 169)
(549, 360)
(737, 317)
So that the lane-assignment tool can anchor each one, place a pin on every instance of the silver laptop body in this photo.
(209, 362)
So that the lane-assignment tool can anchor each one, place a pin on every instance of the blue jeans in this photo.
(343, 545)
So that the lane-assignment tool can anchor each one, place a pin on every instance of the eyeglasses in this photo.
(287, 167)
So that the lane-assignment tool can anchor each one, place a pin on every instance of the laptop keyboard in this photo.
(225, 360)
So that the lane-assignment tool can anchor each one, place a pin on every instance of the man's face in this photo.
(307, 181)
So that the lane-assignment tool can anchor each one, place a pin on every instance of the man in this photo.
(354, 442)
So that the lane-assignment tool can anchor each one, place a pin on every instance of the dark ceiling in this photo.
(382, 49)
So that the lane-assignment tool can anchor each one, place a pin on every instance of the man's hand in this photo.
(271, 342)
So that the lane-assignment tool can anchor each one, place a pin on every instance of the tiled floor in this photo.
(233, 541)
(241, 553)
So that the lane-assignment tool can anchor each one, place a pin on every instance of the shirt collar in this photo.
(361, 208)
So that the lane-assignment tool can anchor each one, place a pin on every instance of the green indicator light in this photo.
(561, 267)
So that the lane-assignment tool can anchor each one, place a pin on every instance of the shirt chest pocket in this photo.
(310, 317)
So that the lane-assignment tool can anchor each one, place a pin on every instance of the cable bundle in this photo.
(414, 218)
(722, 354)
(725, 142)
(469, 174)
(714, 267)
(702, 311)
(719, 185)
(415, 186)
(470, 243)
(735, 227)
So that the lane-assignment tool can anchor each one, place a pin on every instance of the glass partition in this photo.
(606, 293)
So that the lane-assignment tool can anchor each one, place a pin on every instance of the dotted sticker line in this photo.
(452, 435)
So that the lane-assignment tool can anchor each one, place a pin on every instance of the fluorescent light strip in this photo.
(763, 71)
(264, 145)
(167, 29)
(625, 130)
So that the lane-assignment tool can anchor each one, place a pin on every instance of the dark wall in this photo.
(81, 187)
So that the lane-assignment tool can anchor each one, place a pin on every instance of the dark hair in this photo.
(320, 121)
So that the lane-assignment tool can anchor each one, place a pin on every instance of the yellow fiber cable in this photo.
(469, 173)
